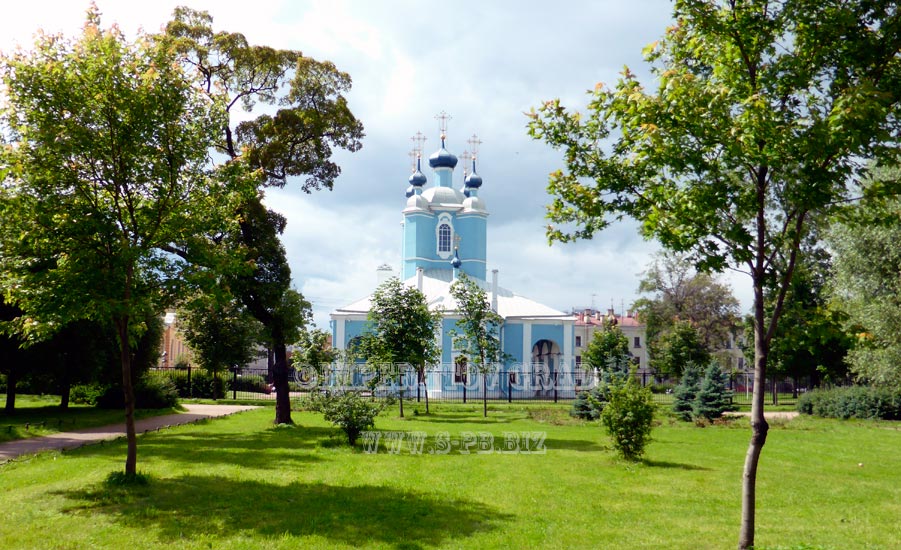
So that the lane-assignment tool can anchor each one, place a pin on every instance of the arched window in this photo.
(444, 238)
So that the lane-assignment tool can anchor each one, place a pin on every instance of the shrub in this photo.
(86, 394)
(866, 402)
(152, 391)
(628, 417)
(348, 410)
(713, 397)
(685, 393)
(589, 404)
(201, 384)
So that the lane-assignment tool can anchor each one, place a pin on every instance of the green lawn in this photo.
(240, 482)
(40, 415)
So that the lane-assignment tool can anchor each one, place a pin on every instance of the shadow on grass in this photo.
(273, 448)
(673, 465)
(443, 418)
(220, 507)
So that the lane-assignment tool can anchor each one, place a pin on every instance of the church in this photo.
(445, 233)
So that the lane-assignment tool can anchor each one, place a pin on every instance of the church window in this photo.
(444, 238)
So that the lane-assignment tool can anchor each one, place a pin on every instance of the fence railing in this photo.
(529, 382)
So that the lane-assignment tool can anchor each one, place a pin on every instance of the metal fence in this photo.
(533, 383)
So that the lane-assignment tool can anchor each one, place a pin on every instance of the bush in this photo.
(348, 410)
(589, 404)
(713, 398)
(86, 394)
(201, 384)
(628, 417)
(685, 393)
(152, 391)
(866, 402)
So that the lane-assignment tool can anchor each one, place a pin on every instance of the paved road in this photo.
(71, 440)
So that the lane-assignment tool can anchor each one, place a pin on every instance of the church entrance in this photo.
(545, 367)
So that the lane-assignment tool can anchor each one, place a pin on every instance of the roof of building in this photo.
(436, 287)
(598, 318)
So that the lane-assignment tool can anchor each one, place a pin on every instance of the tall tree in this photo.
(402, 330)
(108, 153)
(608, 349)
(677, 348)
(675, 291)
(220, 331)
(477, 335)
(763, 113)
(311, 118)
(866, 285)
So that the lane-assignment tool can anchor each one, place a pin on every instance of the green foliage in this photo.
(124, 479)
(313, 349)
(348, 410)
(685, 393)
(609, 348)
(866, 285)
(248, 383)
(867, 402)
(86, 394)
(477, 333)
(677, 348)
(220, 332)
(202, 384)
(673, 290)
(150, 391)
(628, 418)
(713, 397)
(590, 403)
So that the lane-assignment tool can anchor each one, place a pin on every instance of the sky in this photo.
(486, 64)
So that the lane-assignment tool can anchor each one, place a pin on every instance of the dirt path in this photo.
(788, 415)
(71, 440)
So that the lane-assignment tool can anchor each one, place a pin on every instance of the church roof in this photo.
(436, 287)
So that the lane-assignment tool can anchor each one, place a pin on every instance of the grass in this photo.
(241, 482)
(38, 415)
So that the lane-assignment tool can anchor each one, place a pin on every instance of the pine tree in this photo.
(713, 398)
(685, 393)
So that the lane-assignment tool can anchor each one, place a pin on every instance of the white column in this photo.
(568, 345)
(339, 334)
(526, 343)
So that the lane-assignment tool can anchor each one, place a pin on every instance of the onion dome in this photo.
(473, 180)
(410, 190)
(418, 179)
(456, 262)
(442, 158)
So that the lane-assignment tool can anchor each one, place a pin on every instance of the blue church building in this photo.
(445, 233)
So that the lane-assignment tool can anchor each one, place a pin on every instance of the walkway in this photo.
(71, 440)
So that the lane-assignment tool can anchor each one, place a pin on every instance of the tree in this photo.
(677, 348)
(314, 350)
(812, 340)
(219, 331)
(477, 333)
(402, 330)
(678, 292)
(107, 156)
(713, 397)
(297, 140)
(628, 417)
(762, 117)
(866, 286)
(685, 393)
(609, 348)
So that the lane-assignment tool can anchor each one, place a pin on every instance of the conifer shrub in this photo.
(713, 397)
(684, 394)
(628, 417)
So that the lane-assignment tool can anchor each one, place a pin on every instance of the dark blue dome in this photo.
(418, 179)
(410, 191)
(456, 262)
(442, 158)
(465, 191)
(473, 180)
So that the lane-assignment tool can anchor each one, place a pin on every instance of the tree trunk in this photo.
(12, 379)
(65, 392)
(280, 378)
(131, 457)
(485, 394)
(425, 385)
(759, 425)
